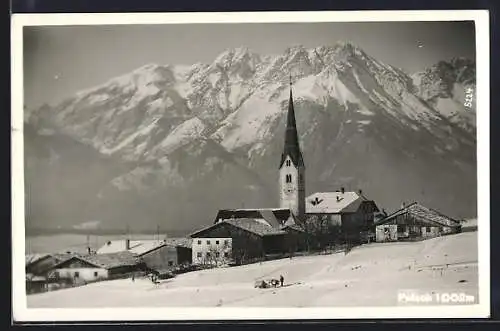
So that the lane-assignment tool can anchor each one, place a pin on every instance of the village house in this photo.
(415, 221)
(37, 266)
(342, 215)
(82, 269)
(159, 255)
(243, 240)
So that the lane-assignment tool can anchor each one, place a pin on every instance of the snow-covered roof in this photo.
(258, 226)
(424, 214)
(114, 246)
(106, 261)
(141, 247)
(33, 258)
(33, 278)
(274, 216)
(333, 202)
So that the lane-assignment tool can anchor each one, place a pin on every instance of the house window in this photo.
(428, 229)
(95, 274)
(226, 254)
(198, 254)
(208, 255)
(199, 242)
(288, 163)
(208, 242)
(288, 178)
(216, 242)
(77, 274)
(170, 263)
(226, 242)
(56, 274)
(217, 254)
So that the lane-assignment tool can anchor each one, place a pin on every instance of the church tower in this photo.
(292, 168)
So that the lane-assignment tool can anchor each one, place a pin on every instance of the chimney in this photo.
(403, 205)
(360, 192)
(127, 244)
(338, 198)
(342, 190)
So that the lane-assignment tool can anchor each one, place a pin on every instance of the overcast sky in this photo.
(61, 60)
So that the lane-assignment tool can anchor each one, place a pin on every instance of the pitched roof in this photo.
(106, 261)
(424, 214)
(34, 258)
(333, 202)
(35, 278)
(141, 247)
(274, 216)
(258, 226)
(291, 147)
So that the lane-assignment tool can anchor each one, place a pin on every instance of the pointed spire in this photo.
(292, 147)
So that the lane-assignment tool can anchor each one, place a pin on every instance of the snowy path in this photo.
(368, 275)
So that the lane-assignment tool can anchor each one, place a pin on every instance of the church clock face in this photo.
(289, 190)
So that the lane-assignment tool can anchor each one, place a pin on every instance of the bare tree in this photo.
(321, 231)
(216, 255)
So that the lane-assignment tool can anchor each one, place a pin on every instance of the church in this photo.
(248, 235)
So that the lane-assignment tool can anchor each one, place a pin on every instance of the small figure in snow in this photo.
(133, 277)
(282, 279)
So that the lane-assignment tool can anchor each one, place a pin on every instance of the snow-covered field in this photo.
(370, 275)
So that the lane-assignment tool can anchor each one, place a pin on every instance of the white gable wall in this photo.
(204, 250)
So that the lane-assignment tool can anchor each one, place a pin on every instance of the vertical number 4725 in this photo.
(469, 95)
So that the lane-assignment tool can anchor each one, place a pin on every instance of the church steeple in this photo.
(291, 147)
(292, 180)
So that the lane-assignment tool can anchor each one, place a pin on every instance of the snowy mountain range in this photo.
(171, 144)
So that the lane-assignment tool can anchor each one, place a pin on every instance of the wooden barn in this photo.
(160, 255)
(342, 215)
(165, 256)
(413, 222)
(243, 240)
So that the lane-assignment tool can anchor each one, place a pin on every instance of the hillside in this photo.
(370, 275)
(169, 144)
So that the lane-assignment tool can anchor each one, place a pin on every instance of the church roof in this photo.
(291, 148)
(333, 202)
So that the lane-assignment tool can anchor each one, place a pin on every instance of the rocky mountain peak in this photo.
(171, 143)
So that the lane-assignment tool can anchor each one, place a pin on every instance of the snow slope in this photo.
(370, 275)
